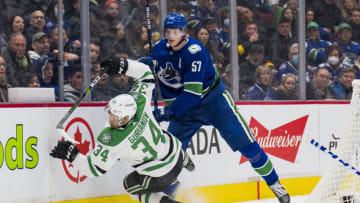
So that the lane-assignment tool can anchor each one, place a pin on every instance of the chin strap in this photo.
(183, 39)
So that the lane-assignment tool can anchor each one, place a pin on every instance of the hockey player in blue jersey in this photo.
(195, 96)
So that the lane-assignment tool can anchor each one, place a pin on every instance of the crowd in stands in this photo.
(267, 44)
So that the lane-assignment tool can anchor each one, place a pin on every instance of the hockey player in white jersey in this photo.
(134, 137)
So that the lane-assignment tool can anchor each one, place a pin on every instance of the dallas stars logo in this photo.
(106, 138)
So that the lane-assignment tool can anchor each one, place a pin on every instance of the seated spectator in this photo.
(72, 90)
(206, 9)
(203, 36)
(262, 90)
(315, 47)
(291, 66)
(40, 46)
(101, 91)
(213, 28)
(346, 6)
(3, 81)
(355, 24)
(288, 13)
(17, 61)
(287, 88)
(327, 14)
(120, 84)
(224, 32)
(37, 24)
(94, 51)
(44, 67)
(318, 88)
(349, 48)
(17, 24)
(29, 80)
(281, 42)
(192, 21)
(53, 15)
(246, 15)
(248, 67)
(139, 42)
(310, 16)
(334, 62)
(118, 42)
(225, 75)
(292, 4)
(343, 87)
(251, 36)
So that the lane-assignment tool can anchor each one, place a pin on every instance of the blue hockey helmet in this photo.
(175, 20)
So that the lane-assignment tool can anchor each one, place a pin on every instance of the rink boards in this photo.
(221, 175)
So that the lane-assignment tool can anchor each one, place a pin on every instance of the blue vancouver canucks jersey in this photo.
(185, 76)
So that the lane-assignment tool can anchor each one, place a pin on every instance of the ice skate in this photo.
(172, 189)
(167, 199)
(280, 192)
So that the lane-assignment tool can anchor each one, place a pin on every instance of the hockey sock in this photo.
(260, 162)
(171, 189)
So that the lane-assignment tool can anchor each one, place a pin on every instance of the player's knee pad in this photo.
(254, 154)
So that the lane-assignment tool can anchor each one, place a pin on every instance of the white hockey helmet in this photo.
(123, 106)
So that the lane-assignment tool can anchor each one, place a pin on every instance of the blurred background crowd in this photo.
(267, 44)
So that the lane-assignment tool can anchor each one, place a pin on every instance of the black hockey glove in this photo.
(65, 150)
(115, 65)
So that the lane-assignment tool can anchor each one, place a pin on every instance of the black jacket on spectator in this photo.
(14, 71)
(326, 15)
(279, 49)
(312, 93)
(355, 29)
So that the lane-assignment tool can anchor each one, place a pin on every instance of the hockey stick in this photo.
(148, 21)
(334, 156)
(60, 125)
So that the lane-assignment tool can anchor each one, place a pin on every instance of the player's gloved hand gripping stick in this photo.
(111, 66)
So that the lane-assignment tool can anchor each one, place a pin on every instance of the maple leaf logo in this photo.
(282, 142)
(83, 146)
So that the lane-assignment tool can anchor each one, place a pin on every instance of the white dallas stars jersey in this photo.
(141, 144)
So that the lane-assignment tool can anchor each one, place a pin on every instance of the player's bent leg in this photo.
(263, 166)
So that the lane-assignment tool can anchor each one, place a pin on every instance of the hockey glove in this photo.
(115, 65)
(65, 150)
(165, 116)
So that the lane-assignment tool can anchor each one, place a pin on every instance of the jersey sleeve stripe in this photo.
(194, 87)
(92, 169)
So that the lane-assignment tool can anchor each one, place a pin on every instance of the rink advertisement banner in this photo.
(29, 133)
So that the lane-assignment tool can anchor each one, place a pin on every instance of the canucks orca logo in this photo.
(169, 76)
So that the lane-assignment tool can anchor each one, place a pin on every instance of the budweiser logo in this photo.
(282, 142)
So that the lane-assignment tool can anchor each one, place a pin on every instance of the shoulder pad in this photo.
(194, 48)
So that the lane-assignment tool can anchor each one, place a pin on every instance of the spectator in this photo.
(94, 51)
(17, 62)
(289, 14)
(72, 90)
(52, 14)
(17, 24)
(29, 79)
(37, 24)
(334, 62)
(40, 45)
(262, 89)
(101, 91)
(248, 67)
(206, 9)
(120, 84)
(318, 88)
(213, 28)
(310, 16)
(225, 75)
(287, 88)
(315, 47)
(345, 7)
(291, 66)
(350, 48)
(138, 37)
(327, 14)
(343, 88)
(44, 68)
(281, 42)
(355, 24)
(251, 36)
(3, 81)
(203, 36)
(246, 16)
(110, 16)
